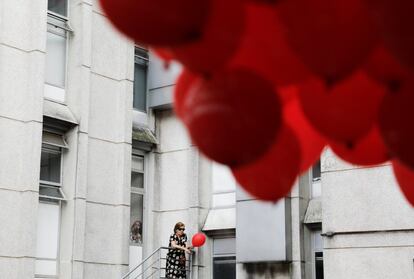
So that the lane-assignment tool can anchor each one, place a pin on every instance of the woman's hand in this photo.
(188, 251)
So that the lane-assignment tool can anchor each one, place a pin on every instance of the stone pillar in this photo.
(22, 63)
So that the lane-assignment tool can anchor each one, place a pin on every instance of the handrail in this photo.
(145, 269)
(139, 265)
(159, 268)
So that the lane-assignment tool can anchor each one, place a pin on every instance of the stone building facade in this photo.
(95, 170)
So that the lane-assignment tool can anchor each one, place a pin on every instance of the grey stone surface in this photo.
(174, 178)
(117, 50)
(369, 263)
(364, 199)
(17, 268)
(18, 237)
(23, 24)
(20, 155)
(105, 241)
(171, 132)
(115, 97)
(20, 73)
(161, 76)
(109, 174)
(104, 271)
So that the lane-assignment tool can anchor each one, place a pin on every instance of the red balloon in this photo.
(265, 50)
(345, 112)
(369, 150)
(268, 2)
(198, 240)
(234, 117)
(272, 176)
(157, 22)
(220, 39)
(288, 93)
(163, 53)
(383, 67)
(405, 178)
(332, 37)
(182, 86)
(310, 141)
(396, 123)
(396, 21)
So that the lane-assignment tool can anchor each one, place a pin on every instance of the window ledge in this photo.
(220, 219)
(314, 212)
(60, 113)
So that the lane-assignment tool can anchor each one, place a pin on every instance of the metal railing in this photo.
(154, 266)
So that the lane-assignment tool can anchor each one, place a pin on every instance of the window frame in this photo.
(57, 260)
(318, 178)
(137, 56)
(53, 201)
(139, 191)
(315, 250)
(67, 9)
(51, 184)
(47, 147)
(68, 32)
(316, 182)
(225, 256)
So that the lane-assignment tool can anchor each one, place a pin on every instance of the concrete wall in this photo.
(96, 168)
(373, 225)
(181, 189)
(108, 57)
(298, 262)
(22, 53)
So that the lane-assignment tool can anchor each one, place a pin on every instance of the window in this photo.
(317, 251)
(58, 6)
(51, 166)
(137, 200)
(56, 47)
(50, 195)
(316, 180)
(224, 258)
(316, 171)
(140, 79)
(47, 242)
(50, 188)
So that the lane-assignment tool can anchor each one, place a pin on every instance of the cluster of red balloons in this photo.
(267, 85)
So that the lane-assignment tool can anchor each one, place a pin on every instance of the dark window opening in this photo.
(224, 268)
(316, 171)
(319, 265)
(140, 79)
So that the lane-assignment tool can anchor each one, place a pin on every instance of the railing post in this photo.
(159, 263)
(190, 266)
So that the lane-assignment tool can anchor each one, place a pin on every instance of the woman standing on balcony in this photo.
(176, 255)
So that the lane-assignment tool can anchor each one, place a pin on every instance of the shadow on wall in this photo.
(267, 270)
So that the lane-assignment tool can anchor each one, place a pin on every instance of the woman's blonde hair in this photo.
(178, 225)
